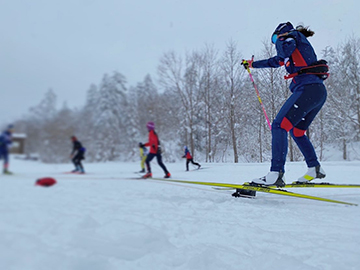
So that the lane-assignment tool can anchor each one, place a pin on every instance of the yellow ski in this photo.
(256, 188)
(307, 185)
(320, 185)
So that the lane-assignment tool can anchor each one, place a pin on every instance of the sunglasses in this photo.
(274, 38)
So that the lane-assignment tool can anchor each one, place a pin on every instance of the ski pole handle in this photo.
(247, 63)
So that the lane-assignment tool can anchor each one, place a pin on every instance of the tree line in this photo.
(203, 99)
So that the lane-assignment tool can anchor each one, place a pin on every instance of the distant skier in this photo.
(143, 155)
(155, 151)
(308, 96)
(77, 155)
(5, 142)
(189, 159)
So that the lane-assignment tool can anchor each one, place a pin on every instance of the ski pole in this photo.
(246, 66)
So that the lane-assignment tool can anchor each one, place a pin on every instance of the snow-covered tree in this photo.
(110, 130)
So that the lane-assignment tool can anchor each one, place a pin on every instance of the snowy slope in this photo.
(104, 221)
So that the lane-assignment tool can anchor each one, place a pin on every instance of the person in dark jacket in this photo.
(5, 142)
(154, 151)
(308, 96)
(77, 155)
(189, 159)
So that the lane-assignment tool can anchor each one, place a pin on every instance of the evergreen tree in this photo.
(110, 134)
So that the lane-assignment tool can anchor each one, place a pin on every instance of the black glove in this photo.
(247, 63)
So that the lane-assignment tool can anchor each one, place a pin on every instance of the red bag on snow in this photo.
(45, 182)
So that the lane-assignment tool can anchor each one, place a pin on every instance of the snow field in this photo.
(106, 220)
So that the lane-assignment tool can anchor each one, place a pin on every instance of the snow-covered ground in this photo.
(108, 220)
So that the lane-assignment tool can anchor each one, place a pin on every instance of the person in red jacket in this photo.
(154, 151)
(189, 159)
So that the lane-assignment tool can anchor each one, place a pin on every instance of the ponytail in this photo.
(305, 31)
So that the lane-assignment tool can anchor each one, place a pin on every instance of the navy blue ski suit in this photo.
(308, 96)
(5, 142)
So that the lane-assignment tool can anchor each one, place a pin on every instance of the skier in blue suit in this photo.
(308, 96)
(5, 142)
(77, 155)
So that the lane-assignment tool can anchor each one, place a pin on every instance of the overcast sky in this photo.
(68, 44)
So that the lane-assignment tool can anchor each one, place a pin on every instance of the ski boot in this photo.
(167, 175)
(147, 175)
(311, 174)
(6, 171)
(77, 169)
(271, 179)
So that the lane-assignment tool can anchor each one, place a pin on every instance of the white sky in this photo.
(68, 44)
